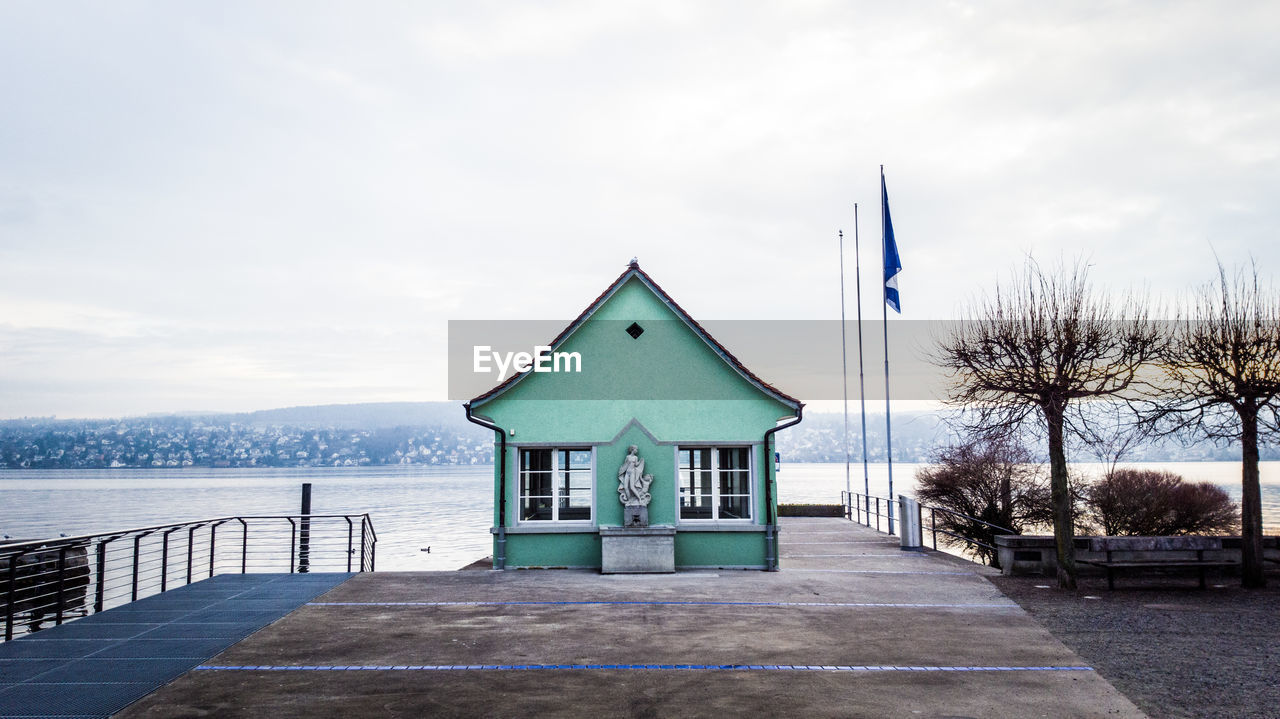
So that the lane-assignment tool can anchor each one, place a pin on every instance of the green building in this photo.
(635, 370)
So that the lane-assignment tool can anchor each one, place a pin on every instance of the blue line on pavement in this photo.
(981, 605)
(879, 571)
(704, 667)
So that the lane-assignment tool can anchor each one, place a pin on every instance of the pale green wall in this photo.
(553, 550)
(668, 361)
(720, 549)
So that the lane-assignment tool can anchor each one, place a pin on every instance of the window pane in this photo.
(535, 485)
(575, 481)
(734, 458)
(695, 494)
(535, 508)
(577, 459)
(575, 489)
(695, 459)
(735, 482)
(695, 507)
(735, 507)
(535, 460)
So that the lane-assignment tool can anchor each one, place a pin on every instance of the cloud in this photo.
(289, 184)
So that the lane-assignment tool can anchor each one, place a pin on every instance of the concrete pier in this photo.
(851, 626)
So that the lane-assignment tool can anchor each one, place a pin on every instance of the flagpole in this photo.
(844, 371)
(862, 385)
(884, 308)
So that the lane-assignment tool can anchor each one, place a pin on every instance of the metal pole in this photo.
(164, 561)
(137, 545)
(11, 601)
(191, 548)
(213, 537)
(362, 544)
(862, 385)
(350, 536)
(100, 588)
(244, 546)
(884, 309)
(844, 366)
(304, 534)
(62, 576)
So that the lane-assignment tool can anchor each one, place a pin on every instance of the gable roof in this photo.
(633, 270)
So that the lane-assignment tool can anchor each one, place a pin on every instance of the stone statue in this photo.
(633, 489)
(633, 483)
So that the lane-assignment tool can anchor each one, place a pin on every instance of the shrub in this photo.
(1147, 502)
(994, 481)
(810, 510)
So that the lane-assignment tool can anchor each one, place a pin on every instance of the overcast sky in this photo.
(245, 205)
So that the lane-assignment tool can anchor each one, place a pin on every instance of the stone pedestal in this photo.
(635, 515)
(637, 550)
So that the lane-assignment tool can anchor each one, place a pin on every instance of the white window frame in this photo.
(715, 484)
(555, 486)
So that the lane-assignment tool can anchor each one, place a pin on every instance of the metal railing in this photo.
(968, 541)
(863, 508)
(50, 581)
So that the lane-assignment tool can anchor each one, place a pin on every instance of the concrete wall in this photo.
(1037, 554)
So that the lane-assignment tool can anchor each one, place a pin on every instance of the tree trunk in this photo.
(1250, 503)
(1063, 528)
(1006, 500)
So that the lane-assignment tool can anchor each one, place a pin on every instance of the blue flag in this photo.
(892, 263)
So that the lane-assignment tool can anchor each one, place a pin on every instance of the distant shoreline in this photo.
(456, 465)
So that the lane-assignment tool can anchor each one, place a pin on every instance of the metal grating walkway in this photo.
(97, 665)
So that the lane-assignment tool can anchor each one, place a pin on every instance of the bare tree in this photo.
(1221, 372)
(1024, 357)
(993, 480)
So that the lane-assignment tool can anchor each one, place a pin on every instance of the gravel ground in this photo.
(1173, 649)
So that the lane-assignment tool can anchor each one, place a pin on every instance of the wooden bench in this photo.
(1148, 546)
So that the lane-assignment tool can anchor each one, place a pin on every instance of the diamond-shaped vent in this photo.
(635, 331)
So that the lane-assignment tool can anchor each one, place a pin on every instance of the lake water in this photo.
(448, 509)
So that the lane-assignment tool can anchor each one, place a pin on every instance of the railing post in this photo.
(62, 576)
(164, 561)
(191, 548)
(164, 564)
(244, 546)
(362, 543)
(304, 535)
(213, 536)
(877, 514)
(933, 526)
(100, 588)
(11, 602)
(350, 535)
(293, 542)
(137, 543)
